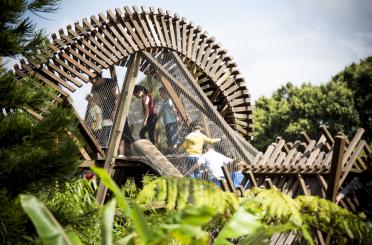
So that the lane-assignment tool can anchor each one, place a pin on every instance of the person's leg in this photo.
(151, 125)
(172, 136)
(127, 134)
(126, 139)
(143, 131)
(168, 133)
(121, 148)
(192, 163)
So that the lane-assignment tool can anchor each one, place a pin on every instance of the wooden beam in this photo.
(336, 168)
(120, 118)
(351, 161)
(177, 101)
(230, 183)
(182, 89)
(303, 186)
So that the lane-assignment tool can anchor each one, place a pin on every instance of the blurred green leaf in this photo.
(107, 222)
(195, 216)
(134, 213)
(242, 223)
(74, 238)
(48, 228)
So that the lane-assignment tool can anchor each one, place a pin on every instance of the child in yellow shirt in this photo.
(193, 146)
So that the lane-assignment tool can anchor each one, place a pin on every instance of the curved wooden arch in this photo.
(81, 51)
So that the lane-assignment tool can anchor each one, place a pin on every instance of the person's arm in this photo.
(145, 103)
(353, 186)
(211, 140)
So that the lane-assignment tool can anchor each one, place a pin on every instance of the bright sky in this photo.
(272, 41)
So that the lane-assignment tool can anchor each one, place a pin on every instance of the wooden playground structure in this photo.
(204, 84)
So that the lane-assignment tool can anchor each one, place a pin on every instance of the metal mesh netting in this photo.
(100, 113)
(167, 124)
(169, 138)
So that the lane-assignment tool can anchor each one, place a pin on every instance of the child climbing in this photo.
(150, 118)
(169, 114)
(193, 146)
(95, 117)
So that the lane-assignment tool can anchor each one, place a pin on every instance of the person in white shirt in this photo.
(193, 146)
(214, 161)
(95, 117)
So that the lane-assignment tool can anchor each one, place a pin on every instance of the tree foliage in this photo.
(342, 104)
(33, 153)
(358, 78)
(18, 34)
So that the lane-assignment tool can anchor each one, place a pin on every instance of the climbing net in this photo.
(168, 126)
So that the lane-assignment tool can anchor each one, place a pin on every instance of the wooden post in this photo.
(230, 183)
(176, 100)
(120, 118)
(336, 168)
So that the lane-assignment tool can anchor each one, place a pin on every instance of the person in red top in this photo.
(150, 119)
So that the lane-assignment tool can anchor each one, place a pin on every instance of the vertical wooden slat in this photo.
(229, 181)
(336, 167)
(120, 118)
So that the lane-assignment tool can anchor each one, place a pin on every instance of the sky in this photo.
(273, 42)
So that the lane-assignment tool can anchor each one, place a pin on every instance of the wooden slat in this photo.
(144, 27)
(109, 37)
(151, 26)
(76, 64)
(98, 50)
(137, 28)
(351, 161)
(336, 167)
(164, 29)
(64, 74)
(171, 31)
(56, 60)
(58, 79)
(100, 46)
(351, 146)
(230, 183)
(157, 26)
(177, 101)
(178, 33)
(44, 79)
(85, 51)
(102, 39)
(113, 28)
(302, 184)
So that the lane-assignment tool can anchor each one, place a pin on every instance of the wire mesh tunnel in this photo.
(175, 104)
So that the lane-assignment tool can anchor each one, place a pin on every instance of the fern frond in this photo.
(276, 209)
(276, 206)
(178, 193)
(325, 215)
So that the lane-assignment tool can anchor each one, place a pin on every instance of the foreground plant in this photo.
(249, 220)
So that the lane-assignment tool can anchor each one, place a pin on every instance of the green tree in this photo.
(342, 104)
(32, 153)
(18, 34)
(358, 78)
